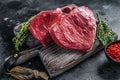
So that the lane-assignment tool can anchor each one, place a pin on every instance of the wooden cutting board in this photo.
(57, 60)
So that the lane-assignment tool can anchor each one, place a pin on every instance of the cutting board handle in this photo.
(17, 59)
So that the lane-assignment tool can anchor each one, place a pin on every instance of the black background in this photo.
(97, 67)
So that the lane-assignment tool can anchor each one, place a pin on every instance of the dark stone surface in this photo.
(97, 67)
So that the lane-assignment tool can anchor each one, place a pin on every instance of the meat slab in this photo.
(76, 30)
(39, 26)
(69, 27)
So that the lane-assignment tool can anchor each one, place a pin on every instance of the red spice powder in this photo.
(114, 51)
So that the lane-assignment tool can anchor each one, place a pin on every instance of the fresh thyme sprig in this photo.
(22, 34)
(104, 32)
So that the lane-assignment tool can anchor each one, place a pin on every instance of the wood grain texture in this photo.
(57, 60)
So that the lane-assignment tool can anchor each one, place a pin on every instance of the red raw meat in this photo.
(40, 24)
(70, 27)
(76, 30)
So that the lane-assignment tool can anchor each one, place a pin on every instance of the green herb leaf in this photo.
(22, 34)
(104, 32)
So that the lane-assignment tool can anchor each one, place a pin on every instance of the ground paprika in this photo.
(113, 51)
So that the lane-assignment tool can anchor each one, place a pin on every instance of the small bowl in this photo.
(112, 60)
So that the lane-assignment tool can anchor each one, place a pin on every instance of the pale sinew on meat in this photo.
(70, 28)
(76, 30)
